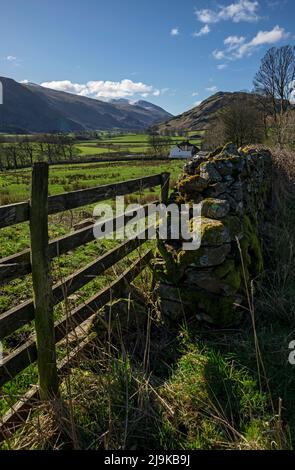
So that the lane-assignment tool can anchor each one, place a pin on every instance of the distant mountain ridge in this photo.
(30, 108)
(200, 117)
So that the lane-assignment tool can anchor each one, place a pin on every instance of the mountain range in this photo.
(200, 117)
(30, 108)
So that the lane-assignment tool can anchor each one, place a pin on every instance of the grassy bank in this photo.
(145, 384)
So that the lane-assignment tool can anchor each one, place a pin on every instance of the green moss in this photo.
(224, 269)
(234, 279)
(244, 150)
(185, 258)
(220, 309)
(234, 226)
(192, 184)
(215, 208)
(213, 232)
(204, 257)
(255, 257)
(230, 274)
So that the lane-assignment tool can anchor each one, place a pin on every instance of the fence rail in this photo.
(20, 212)
(18, 265)
(26, 354)
(36, 260)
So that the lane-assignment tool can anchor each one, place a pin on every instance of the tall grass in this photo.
(144, 385)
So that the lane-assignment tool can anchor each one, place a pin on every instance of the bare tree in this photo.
(159, 145)
(243, 122)
(215, 135)
(288, 129)
(277, 71)
(240, 122)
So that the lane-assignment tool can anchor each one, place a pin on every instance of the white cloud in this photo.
(207, 16)
(197, 103)
(277, 34)
(234, 41)
(104, 90)
(269, 37)
(67, 85)
(24, 82)
(237, 47)
(174, 31)
(221, 66)
(212, 89)
(203, 31)
(242, 10)
(195, 93)
(11, 58)
(218, 55)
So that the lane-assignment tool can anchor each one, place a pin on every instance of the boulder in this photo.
(207, 280)
(209, 172)
(229, 149)
(192, 166)
(192, 185)
(212, 232)
(215, 208)
(204, 257)
(215, 190)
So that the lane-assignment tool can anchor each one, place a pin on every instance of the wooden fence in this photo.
(41, 347)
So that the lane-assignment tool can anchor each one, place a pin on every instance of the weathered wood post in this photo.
(42, 283)
(165, 187)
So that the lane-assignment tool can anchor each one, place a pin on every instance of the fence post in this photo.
(165, 187)
(42, 283)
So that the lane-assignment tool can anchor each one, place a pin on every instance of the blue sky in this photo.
(171, 52)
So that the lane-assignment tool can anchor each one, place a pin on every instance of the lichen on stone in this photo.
(215, 208)
(232, 188)
(211, 231)
(192, 184)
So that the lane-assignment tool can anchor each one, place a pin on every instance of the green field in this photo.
(19, 151)
(15, 185)
(127, 143)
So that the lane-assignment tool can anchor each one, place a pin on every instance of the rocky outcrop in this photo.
(232, 189)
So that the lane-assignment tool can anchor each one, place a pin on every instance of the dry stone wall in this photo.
(233, 189)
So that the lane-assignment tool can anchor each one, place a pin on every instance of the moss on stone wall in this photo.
(211, 279)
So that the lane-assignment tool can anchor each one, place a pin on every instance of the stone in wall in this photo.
(233, 188)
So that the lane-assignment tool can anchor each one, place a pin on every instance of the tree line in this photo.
(21, 151)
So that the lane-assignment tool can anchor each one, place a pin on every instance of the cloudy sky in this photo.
(174, 53)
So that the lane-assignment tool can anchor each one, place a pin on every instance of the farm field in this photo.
(128, 143)
(18, 151)
(15, 186)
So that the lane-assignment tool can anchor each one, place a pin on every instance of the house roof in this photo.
(186, 145)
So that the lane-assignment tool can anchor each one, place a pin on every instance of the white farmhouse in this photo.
(183, 150)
